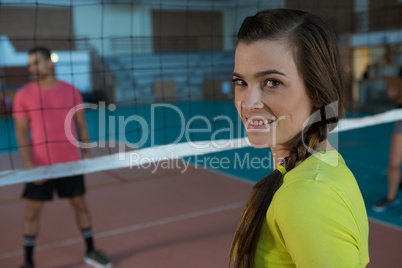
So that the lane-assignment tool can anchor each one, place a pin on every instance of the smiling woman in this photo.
(309, 211)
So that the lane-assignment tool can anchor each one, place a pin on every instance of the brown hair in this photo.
(316, 56)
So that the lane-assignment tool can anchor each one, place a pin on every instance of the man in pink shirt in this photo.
(40, 107)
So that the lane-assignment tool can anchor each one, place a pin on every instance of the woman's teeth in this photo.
(258, 122)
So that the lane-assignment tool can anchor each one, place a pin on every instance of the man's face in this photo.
(39, 67)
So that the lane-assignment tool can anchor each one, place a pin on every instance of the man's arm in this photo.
(21, 133)
(82, 130)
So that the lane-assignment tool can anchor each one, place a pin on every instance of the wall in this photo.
(338, 14)
(109, 28)
(187, 30)
(385, 15)
(29, 26)
(233, 18)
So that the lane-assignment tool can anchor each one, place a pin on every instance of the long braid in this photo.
(248, 230)
(249, 227)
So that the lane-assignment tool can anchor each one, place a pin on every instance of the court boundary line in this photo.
(135, 227)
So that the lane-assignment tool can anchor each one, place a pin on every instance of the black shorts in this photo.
(66, 187)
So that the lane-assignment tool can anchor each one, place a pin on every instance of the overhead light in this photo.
(54, 57)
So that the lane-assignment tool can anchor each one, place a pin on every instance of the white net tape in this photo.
(165, 152)
(382, 118)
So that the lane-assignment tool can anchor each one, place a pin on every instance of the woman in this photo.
(309, 211)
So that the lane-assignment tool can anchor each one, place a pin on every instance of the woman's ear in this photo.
(317, 103)
(315, 99)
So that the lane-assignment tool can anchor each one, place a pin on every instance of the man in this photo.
(41, 107)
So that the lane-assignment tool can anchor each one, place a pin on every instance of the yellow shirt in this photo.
(317, 218)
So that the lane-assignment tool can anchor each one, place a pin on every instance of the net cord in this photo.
(165, 152)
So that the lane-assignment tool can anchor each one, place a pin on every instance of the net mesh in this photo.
(156, 75)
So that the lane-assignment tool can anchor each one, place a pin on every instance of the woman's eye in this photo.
(239, 82)
(273, 83)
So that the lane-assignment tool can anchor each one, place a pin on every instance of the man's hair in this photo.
(42, 50)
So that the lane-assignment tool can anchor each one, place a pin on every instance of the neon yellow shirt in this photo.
(317, 218)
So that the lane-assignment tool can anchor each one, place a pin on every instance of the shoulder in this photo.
(327, 168)
(322, 182)
(25, 91)
(27, 87)
(314, 207)
(66, 87)
(306, 195)
(316, 192)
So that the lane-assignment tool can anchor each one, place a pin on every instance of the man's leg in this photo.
(93, 257)
(393, 176)
(394, 172)
(83, 220)
(31, 227)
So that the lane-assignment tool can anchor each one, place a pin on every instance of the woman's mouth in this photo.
(258, 123)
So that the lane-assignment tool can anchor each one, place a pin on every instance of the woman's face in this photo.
(270, 95)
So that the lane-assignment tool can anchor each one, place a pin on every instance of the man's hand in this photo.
(29, 165)
(86, 154)
(39, 182)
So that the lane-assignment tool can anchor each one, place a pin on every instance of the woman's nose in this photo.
(252, 99)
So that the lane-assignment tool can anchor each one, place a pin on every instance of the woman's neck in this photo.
(281, 152)
(278, 154)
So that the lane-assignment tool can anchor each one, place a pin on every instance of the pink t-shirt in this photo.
(47, 109)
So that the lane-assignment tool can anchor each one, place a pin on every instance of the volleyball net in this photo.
(155, 75)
